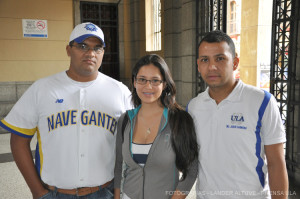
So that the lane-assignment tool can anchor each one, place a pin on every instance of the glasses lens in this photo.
(155, 82)
(82, 47)
(141, 81)
(98, 50)
(85, 48)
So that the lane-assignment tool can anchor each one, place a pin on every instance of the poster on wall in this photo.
(35, 28)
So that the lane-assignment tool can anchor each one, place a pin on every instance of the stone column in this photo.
(180, 42)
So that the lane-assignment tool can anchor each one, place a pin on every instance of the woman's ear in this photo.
(166, 88)
(165, 85)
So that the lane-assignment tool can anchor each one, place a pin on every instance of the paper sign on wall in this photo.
(35, 28)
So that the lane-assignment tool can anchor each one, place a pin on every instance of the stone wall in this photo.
(10, 93)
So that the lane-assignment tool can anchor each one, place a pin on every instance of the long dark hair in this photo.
(183, 135)
(167, 97)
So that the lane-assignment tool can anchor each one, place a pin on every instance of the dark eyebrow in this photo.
(98, 45)
(158, 78)
(217, 55)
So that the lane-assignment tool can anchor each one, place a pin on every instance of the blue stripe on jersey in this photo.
(140, 158)
(37, 159)
(260, 163)
(14, 131)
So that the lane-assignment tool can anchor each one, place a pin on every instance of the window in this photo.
(153, 25)
(105, 15)
(232, 18)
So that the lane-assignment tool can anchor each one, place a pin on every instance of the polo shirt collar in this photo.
(234, 96)
(236, 93)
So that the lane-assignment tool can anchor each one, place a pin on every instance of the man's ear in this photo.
(68, 48)
(236, 62)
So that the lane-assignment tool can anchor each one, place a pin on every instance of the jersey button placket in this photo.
(82, 136)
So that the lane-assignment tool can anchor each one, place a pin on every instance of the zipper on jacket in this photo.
(130, 147)
(143, 182)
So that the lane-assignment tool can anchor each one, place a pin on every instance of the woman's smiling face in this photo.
(149, 93)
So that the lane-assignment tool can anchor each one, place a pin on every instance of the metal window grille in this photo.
(284, 84)
(232, 18)
(218, 14)
(210, 15)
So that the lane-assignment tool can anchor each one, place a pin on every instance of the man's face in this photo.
(84, 65)
(216, 64)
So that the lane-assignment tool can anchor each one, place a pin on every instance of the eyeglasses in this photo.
(153, 82)
(85, 48)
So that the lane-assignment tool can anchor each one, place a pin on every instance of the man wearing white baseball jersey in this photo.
(239, 130)
(74, 114)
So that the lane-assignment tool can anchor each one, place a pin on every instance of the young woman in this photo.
(157, 140)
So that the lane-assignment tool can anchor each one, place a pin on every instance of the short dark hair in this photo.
(219, 36)
(167, 97)
(71, 43)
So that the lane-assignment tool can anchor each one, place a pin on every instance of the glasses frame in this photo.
(95, 49)
(151, 81)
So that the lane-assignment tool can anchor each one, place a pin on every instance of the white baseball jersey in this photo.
(231, 155)
(76, 125)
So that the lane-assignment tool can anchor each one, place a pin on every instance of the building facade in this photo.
(35, 33)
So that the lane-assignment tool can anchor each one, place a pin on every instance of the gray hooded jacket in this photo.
(159, 177)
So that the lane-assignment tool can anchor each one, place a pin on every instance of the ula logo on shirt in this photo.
(59, 101)
(237, 118)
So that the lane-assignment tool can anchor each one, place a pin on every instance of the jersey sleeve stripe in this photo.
(27, 133)
(39, 154)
